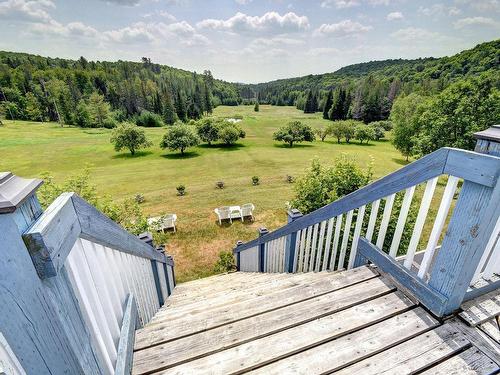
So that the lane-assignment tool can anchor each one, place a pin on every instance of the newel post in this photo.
(238, 256)
(470, 227)
(291, 241)
(262, 249)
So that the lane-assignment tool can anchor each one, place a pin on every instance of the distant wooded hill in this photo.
(84, 92)
(370, 88)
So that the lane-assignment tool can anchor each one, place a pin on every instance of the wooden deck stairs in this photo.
(350, 322)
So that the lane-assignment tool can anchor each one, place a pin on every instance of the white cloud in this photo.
(422, 36)
(162, 14)
(26, 10)
(123, 2)
(243, 2)
(437, 10)
(323, 51)
(475, 21)
(271, 22)
(342, 29)
(393, 16)
(483, 5)
(340, 4)
(277, 41)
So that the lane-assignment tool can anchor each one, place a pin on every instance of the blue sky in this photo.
(247, 40)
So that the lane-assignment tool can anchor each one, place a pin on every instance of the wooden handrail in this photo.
(52, 236)
(471, 166)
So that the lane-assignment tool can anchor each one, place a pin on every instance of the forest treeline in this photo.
(367, 91)
(95, 94)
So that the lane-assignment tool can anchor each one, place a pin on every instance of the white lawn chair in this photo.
(223, 213)
(247, 210)
(236, 212)
(161, 223)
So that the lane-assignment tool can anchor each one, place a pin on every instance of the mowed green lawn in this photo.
(28, 148)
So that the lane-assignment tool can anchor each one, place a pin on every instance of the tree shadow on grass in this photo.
(401, 161)
(221, 147)
(178, 155)
(297, 145)
(128, 155)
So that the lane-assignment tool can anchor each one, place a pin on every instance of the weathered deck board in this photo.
(206, 343)
(413, 355)
(491, 328)
(481, 309)
(201, 319)
(349, 349)
(471, 361)
(294, 340)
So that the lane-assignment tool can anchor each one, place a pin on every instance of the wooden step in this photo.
(481, 309)
(286, 343)
(471, 361)
(200, 320)
(218, 339)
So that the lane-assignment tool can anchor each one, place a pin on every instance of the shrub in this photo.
(219, 184)
(109, 123)
(229, 133)
(255, 180)
(323, 132)
(256, 107)
(294, 132)
(181, 190)
(180, 137)
(225, 263)
(149, 120)
(364, 133)
(208, 130)
(378, 132)
(128, 136)
(139, 198)
(290, 179)
(385, 124)
(322, 185)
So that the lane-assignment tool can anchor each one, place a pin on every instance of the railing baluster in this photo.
(419, 223)
(403, 214)
(373, 220)
(386, 217)
(314, 247)
(308, 248)
(336, 240)
(297, 251)
(493, 265)
(321, 246)
(328, 244)
(489, 253)
(355, 239)
(442, 213)
(302, 250)
(345, 239)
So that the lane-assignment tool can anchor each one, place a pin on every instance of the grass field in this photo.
(27, 149)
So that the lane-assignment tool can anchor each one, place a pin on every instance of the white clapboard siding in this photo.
(355, 239)
(249, 260)
(442, 213)
(386, 217)
(403, 214)
(102, 279)
(425, 203)
(345, 239)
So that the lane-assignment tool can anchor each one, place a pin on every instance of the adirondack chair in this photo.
(161, 223)
(223, 213)
(247, 210)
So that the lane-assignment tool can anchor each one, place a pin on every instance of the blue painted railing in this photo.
(74, 285)
(337, 236)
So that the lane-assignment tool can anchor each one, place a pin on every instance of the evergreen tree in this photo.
(310, 103)
(180, 107)
(338, 107)
(33, 109)
(328, 105)
(169, 115)
(208, 99)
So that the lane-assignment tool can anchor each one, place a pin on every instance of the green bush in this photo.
(229, 133)
(149, 120)
(255, 180)
(181, 190)
(225, 263)
(128, 136)
(364, 133)
(294, 132)
(109, 123)
(180, 137)
(322, 185)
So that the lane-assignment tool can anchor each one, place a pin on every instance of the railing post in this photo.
(488, 141)
(238, 257)
(147, 237)
(291, 240)
(262, 249)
